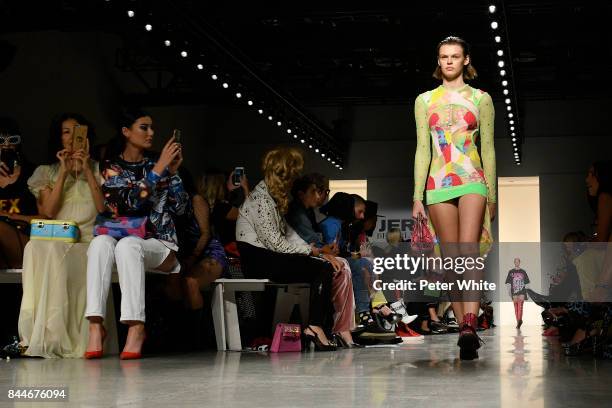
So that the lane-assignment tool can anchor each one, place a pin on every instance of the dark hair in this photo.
(9, 126)
(301, 184)
(127, 118)
(55, 133)
(321, 181)
(469, 72)
(602, 170)
(358, 199)
(188, 182)
(341, 206)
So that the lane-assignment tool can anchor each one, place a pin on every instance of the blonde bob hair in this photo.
(281, 166)
(469, 72)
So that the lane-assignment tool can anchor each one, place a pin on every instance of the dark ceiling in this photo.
(339, 52)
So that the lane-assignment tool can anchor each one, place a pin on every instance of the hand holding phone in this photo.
(10, 159)
(237, 175)
(177, 136)
(79, 138)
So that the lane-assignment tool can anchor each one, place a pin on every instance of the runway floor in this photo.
(515, 369)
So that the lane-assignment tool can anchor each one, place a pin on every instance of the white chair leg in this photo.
(232, 327)
(218, 314)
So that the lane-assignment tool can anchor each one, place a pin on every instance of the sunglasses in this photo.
(12, 140)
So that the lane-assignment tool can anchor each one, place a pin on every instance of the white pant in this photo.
(133, 257)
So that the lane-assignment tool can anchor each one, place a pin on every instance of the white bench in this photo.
(224, 308)
(225, 311)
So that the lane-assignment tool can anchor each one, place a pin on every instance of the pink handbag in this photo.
(287, 337)
(421, 238)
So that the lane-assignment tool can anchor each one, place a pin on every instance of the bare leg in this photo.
(95, 333)
(12, 242)
(135, 336)
(471, 213)
(445, 219)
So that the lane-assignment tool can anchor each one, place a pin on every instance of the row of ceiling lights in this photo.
(332, 158)
(505, 71)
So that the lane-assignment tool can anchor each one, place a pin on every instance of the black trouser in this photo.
(261, 263)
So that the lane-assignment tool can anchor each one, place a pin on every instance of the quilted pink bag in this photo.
(287, 337)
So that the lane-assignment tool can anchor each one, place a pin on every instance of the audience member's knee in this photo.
(130, 247)
(101, 244)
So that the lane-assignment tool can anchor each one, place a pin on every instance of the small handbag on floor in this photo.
(287, 337)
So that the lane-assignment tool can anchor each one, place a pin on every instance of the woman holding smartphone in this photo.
(17, 204)
(51, 320)
(135, 185)
(451, 121)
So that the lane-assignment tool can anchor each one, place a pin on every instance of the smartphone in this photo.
(238, 173)
(79, 138)
(177, 136)
(10, 158)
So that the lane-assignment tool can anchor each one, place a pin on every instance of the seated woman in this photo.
(224, 198)
(340, 228)
(305, 197)
(597, 296)
(135, 185)
(17, 204)
(267, 253)
(51, 320)
(201, 254)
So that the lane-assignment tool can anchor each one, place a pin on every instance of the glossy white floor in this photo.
(520, 369)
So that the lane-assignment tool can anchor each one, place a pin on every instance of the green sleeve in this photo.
(487, 148)
(422, 158)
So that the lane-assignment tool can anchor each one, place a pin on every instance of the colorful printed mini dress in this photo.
(450, 124)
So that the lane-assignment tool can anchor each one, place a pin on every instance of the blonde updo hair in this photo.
(281, 166)
(469, 72)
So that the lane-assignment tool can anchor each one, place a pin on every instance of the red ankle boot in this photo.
(468, 341)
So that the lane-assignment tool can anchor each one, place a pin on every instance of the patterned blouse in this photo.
(134, 189)
(262, 225)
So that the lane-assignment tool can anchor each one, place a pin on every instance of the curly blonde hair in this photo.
(281, 166)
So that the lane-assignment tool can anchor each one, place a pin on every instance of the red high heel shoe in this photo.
(129, 355)
(90, 355)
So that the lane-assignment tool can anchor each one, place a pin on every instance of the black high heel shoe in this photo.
(392, 318)
(307, 339)
(591, 344)
(341, 343)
